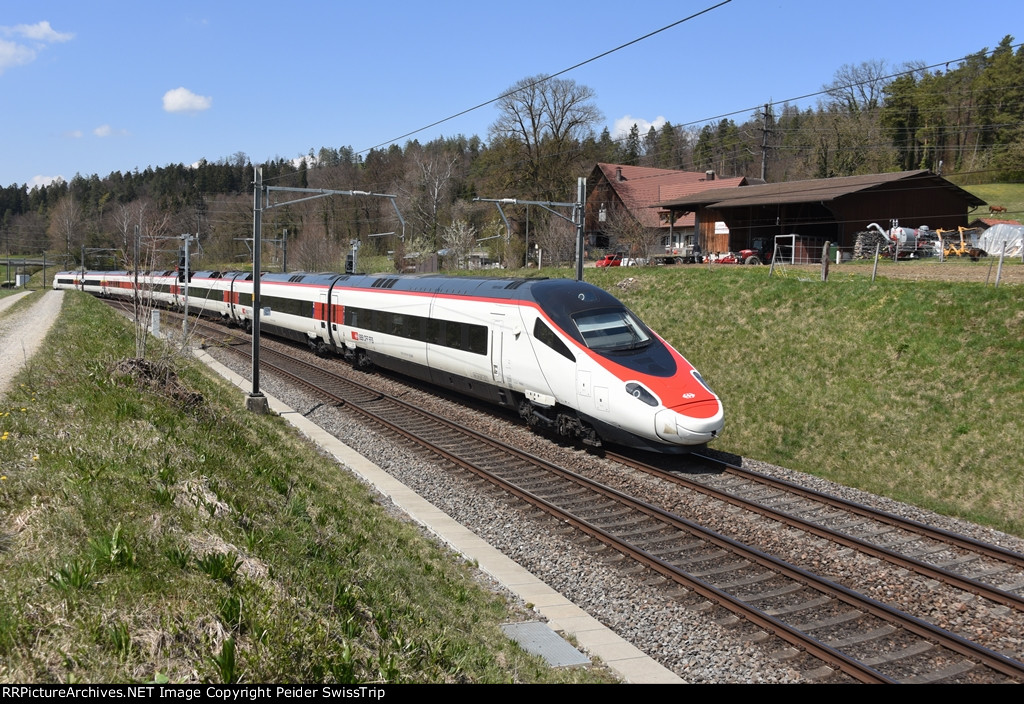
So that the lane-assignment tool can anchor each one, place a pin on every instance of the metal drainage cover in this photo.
(537, 638)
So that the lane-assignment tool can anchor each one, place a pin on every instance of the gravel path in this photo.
(22, 333)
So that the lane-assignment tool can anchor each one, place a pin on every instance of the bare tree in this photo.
(545, 119)
(431, 175)
(315, 249)
(556, 239)
(66, 225)
(143, 301)
(28, 229)
(152, 223)
(458, 240)
(640, 241)
(858, 88)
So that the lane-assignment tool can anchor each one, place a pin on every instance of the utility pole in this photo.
(578, 216)
(764, 141)
(256, 401)
(576, 219)
(184, 275)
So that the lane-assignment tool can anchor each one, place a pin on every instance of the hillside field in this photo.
(906, 387)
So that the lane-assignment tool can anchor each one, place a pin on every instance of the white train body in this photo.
(566, 354)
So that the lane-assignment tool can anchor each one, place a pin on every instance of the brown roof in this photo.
(641, 186)
(816, 190)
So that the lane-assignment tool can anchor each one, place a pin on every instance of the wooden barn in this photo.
(816, 211)
(618, 214)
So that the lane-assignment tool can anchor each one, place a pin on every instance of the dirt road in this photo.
(22, 332)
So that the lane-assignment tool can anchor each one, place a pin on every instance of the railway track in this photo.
(985, 570)
(863, 638)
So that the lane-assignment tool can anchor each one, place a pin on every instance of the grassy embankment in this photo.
(1008, 195)
(910, 389)
(148, 535)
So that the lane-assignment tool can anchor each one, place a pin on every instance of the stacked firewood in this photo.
(866, 242)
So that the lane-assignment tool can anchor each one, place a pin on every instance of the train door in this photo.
(589, 396)
(496, 347)
(336, 318)
(322, 315)
(505, 356)
(231, 298)
(235, 311)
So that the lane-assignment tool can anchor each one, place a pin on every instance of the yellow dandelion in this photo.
(3, 478)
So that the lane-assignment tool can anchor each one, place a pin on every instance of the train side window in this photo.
(434, 331)
(477, 338)
(546, 335)
(452, 335)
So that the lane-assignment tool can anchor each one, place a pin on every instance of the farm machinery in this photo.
(760, 252)
(966, 247)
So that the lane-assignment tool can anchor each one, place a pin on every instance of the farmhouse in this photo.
(618, 209)
(820, 210)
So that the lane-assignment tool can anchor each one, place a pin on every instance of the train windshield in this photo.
(611, 330)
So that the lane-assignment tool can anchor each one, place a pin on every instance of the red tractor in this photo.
(759, 253)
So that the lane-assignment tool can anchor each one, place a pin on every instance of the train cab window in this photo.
(546, 335)
(611, 330)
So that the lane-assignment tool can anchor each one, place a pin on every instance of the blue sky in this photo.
(99, 86)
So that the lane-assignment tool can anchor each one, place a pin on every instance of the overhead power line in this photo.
(547, 78)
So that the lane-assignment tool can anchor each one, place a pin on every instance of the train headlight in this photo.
(637, 391)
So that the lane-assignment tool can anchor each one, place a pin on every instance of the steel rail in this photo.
(923, 568)
(961, 541)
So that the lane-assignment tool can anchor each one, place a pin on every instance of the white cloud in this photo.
(184, 100)
(38, 181)
(13, 53)
(108, 131)
(622, 126)
(73, 134)
(40, 31)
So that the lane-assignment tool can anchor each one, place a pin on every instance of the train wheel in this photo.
(361, 361)
(532, 415)
(572, 426)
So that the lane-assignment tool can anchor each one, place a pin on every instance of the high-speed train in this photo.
(567, 355)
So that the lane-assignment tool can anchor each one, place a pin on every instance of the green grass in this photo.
(150, 536)
(1008, 195)
(910, 389)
